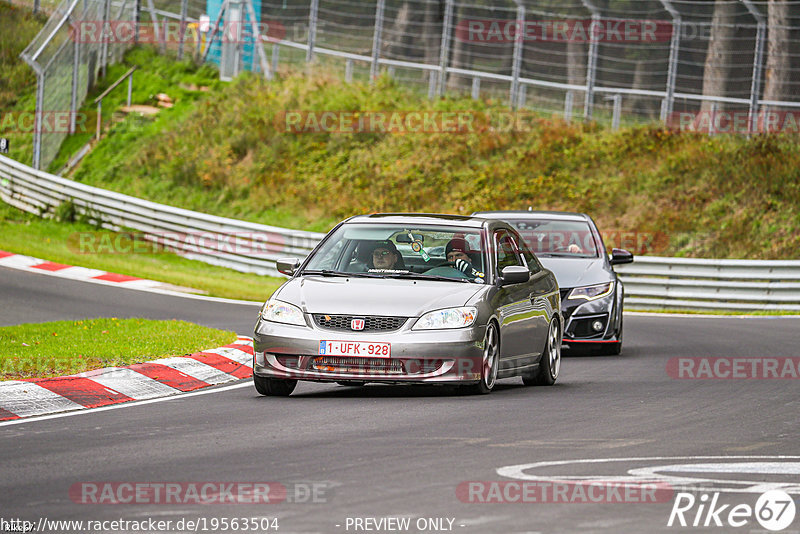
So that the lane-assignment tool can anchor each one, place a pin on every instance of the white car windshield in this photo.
(392, 250)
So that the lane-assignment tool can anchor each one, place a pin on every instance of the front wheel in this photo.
(550, 364)
(274, 387)
(490, 362)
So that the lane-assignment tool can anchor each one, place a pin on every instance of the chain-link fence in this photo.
(716, 66)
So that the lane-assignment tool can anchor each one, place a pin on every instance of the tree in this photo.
(720, 46)
(778, 59)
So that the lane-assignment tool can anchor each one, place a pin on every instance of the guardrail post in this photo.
(476, 88)
(615, 116)
(516, 62)
(348, 70)
(758, 62)
(568, 98)
(312, 29)
(184, 7)
(672, 68)
(276, 53)
(444, 53)
(377, 37)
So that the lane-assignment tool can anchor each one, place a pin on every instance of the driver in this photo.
(458, 253)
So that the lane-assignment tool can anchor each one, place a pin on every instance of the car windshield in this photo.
(399, 251)
(557, 238)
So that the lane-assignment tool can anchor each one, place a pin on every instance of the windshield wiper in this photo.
(329, 272)
(420, 276)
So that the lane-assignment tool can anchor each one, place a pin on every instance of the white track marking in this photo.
(130, 383)
(196, 369)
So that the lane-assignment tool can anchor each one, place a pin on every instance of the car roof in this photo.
(421, 218)
(525, 214)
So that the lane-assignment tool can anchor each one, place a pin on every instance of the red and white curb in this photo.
(36, 265)
(114, 385)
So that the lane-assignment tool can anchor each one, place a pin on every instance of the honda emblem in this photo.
(357, 324)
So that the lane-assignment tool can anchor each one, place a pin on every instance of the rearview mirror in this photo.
(514, 274)
(287, 266)
(620, 256)
(406, 238)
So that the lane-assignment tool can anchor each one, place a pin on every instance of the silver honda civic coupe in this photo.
(411, 299)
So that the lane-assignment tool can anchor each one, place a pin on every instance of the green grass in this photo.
(721, 197)
(67, 347)
(48, 239)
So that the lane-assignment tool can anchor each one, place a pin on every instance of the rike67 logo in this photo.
(774, 510)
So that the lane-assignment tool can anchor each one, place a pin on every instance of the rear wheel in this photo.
(274, 387)
(490, 363)
(550, 364)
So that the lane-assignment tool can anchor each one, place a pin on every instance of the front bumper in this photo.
(579, 315)
(421, 357)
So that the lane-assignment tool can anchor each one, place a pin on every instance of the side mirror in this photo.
(620, 256)
(514, 274)
(287, 265)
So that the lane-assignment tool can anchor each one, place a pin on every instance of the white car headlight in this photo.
(592, 292)
(282, 312)
(448, 318)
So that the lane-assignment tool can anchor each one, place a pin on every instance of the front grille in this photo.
(360, 366)
(582, 327)
(372, 323)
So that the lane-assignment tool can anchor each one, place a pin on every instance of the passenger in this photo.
(386, 257)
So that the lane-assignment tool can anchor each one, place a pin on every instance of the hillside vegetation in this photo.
(723, 196)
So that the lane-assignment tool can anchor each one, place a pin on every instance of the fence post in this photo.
(432, 84)
(182, 31)
(615, 116)
(758, 62)
(130, 88)
(104, 46)
(348, 70)
(377, 37)
(312, 29)
(591, 67)
(73, 102)
(444, 55)
(712, 129)
(672, 68)
(37, 121)
(516, 62)
(35, 6)
(137, 9)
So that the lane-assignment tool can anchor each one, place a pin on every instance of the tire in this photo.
(550, 363)
(489, 363)
(274, 387)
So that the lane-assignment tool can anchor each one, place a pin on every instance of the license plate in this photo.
(355, 348)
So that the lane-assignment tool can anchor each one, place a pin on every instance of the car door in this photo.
(545, 300)
(514, 308)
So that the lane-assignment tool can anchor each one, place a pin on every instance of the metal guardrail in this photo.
(650, 282)
(653, 282)
(240, 245)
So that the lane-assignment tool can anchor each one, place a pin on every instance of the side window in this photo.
(506, 251)
(530, 259)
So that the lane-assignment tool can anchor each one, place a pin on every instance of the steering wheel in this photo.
(447, 269)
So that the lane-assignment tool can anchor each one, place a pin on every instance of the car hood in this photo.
(370, 296)
(575, 272)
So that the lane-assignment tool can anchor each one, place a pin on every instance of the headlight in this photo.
(449, 318)
(282, 312)
(591, 292)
